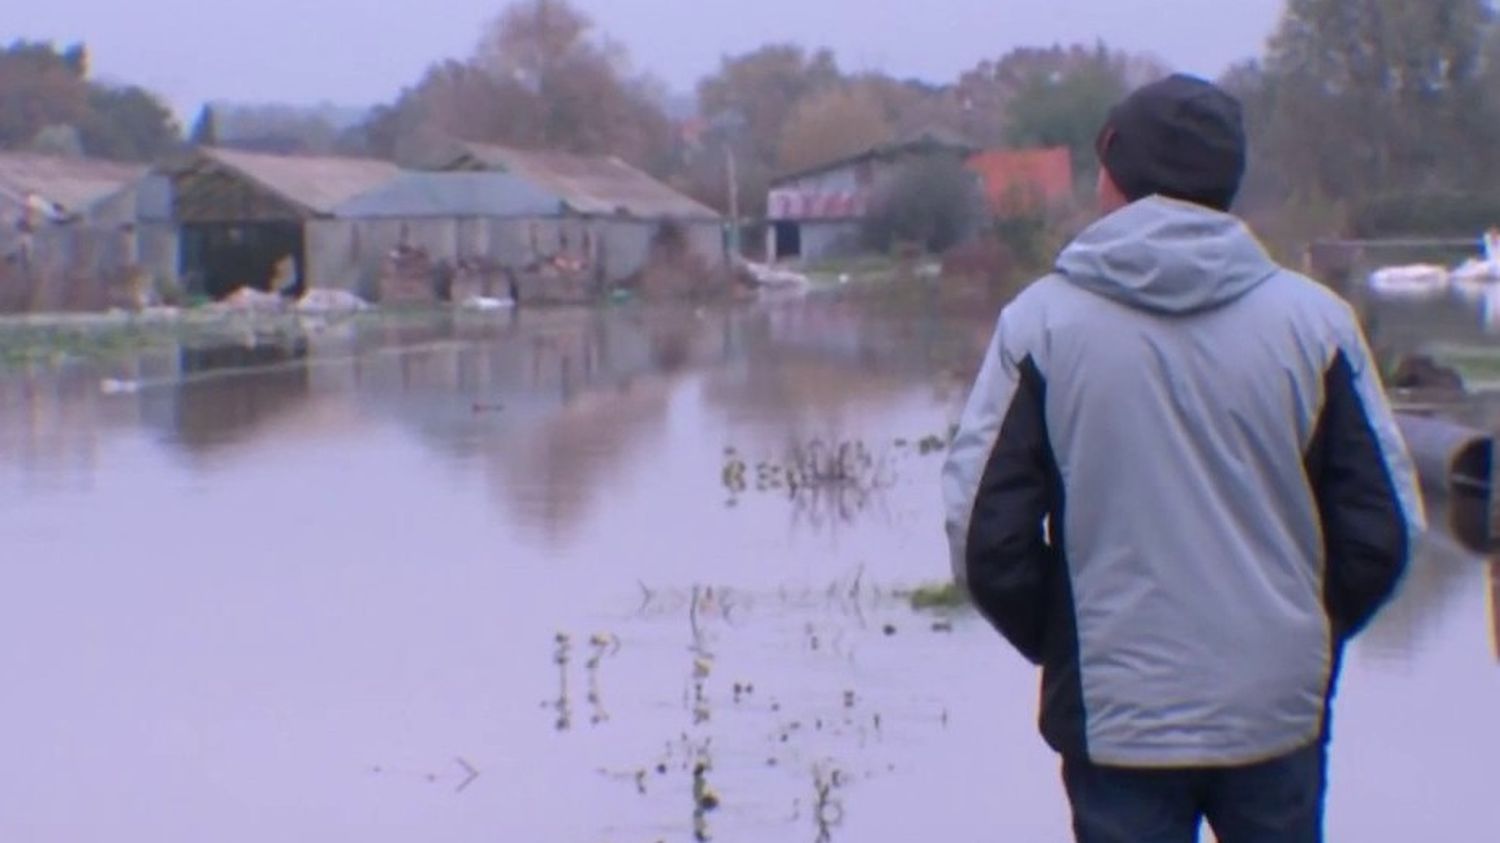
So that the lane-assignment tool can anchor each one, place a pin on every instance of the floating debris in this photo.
(324, 302)
(487, 304)
(469, 774)
(111, 386)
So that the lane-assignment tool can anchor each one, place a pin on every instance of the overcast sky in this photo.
(359, 52)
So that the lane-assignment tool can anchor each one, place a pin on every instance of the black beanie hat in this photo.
(1182, 137)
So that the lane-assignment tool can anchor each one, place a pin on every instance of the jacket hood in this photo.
(1167, 256)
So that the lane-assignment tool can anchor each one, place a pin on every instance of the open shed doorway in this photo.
(788, 240)
(219, 258)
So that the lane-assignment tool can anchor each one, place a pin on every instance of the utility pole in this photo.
(731, 166)
(727, 126)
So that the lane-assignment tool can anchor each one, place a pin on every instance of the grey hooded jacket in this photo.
(1178, 487)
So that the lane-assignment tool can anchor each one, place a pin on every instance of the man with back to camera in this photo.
(1178, 487)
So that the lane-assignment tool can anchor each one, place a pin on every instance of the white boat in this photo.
(1417, 281)
(487, 304)
(1474, 280)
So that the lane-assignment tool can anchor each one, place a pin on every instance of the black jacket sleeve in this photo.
(1009, 560)
(1365, 527)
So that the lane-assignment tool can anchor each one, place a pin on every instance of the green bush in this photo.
(1027, 237)
(933, 204)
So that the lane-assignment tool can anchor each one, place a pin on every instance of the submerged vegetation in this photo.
(810, 466)
(936, 597)
(24, 343)
(821, 465)
(59, 338)
(814, 740)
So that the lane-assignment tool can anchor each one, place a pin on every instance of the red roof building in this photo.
(1024, 180)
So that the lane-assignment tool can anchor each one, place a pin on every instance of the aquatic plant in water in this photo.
(937, 596)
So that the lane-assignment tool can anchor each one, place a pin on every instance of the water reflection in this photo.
(54, 424)
(1443, 574)
(225, 394)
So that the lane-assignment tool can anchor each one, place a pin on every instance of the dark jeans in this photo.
(1279, 801)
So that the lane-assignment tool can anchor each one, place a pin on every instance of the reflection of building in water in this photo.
(942, 346)
(54, 422)
(551, 403)
(815, 370)
(226, 393)
(803, 393)
(552, 472)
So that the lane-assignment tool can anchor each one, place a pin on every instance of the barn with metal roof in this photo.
(242, 217)
(488, 220)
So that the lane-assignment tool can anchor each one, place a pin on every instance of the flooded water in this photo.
(448, 579)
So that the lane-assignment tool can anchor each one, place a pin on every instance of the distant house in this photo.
(485, 220)
(238, 217)
(1019, 181)
(609, 224)
(423, 231)
(596, 186)
(67, 231)
(818, 213)
(45, 188)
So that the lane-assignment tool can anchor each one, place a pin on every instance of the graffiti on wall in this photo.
(790, 203)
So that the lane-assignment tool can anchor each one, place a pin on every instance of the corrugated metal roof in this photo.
(318, 184)
(589, 185)
(70, 185)
(924, 142)
(414, 195)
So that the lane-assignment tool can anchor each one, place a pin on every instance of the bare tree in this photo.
(830, 125)
(540, 77)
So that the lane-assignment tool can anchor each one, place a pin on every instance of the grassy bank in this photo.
(57, 338)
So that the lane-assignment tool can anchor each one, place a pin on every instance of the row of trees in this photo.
(48, 103)
(1357, 106)
(1354, 101)
(542, 75)
(1365, 107)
